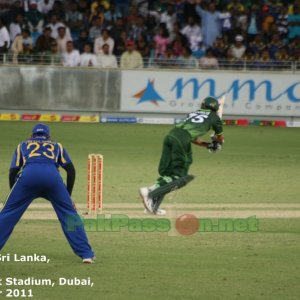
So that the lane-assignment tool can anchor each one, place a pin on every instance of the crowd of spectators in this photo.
(135, 33)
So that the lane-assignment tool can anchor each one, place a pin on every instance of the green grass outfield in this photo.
(258, 166)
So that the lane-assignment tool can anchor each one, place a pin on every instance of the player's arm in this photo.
(218, 128)
(71, 175)
(13, 172)
(15, 166)
(212, 147)
(217, 138)
(199, 142)
(65, 162)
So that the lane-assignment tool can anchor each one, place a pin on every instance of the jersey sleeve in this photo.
(17, 159)
(63, 156)
(218, 126)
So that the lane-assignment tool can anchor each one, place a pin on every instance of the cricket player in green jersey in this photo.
(176, 156)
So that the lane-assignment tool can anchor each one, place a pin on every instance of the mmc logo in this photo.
(148, 94)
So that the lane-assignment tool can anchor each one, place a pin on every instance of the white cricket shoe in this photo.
(148, 203)
(89, 260)
(160, 212)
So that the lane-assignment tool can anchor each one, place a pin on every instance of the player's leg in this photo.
(177, 176)
(164, 168)
(17, 202)
(176, 161)
(158, 194)
(174, 164)
(71, 222)
(181, 156)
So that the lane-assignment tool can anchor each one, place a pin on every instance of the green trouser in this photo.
(176, 156)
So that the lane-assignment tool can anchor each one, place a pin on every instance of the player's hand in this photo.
(214, 146)
(217, 138)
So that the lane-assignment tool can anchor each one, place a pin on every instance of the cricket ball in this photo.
(187, 224)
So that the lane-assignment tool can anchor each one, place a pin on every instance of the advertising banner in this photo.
(10, 117)
(247, 93)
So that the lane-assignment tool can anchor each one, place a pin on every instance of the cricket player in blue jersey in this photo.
(33, 174)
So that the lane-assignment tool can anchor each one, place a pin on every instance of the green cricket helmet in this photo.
(210, 103)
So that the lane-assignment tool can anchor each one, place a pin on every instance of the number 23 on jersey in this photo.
(39, 149)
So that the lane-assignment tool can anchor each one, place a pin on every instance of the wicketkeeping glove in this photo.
(214, 146)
